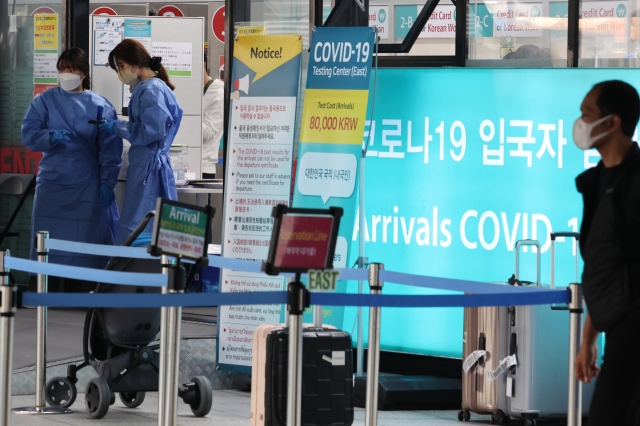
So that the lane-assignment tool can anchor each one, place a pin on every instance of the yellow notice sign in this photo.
(263, 54)
(45, 31)
(244, 31)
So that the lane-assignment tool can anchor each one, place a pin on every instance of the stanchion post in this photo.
(317, 316)
(172, 348)
(8, 298)
(170, 321)
(574, 413)
(166, 263)
(41, 332)
(360, 341)
(362, 224)
(373, 353)
(298, 301)
(41, 339)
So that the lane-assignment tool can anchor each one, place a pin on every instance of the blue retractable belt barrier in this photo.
(353, 274)
(256, 267)
(97, 249)
(114, 300)
(483, 294)
(542, 297)
(87, 274)
(235, 264)
(453, 284)
(214, 261)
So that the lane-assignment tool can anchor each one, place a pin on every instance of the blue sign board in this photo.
(461, 164)
(137, 28)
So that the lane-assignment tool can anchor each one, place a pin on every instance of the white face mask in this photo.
(582, 133)
(69, 81)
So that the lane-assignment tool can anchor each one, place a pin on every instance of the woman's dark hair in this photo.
(76, 59)
(133, 53)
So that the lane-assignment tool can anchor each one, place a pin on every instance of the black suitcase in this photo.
(327, 378)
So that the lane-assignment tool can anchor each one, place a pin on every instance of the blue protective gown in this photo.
(67, 201)
(154, 120)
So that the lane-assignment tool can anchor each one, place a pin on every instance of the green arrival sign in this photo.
(182, 231)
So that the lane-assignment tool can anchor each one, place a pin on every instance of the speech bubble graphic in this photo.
(340, 256)
(327, 175)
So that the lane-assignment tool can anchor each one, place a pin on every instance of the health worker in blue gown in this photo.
(80, 163)
(154, 120)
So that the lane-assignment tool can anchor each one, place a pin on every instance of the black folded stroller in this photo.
(117, 343)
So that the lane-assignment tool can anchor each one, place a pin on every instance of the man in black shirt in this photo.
(609, 244)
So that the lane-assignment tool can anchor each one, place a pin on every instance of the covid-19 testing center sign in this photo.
(333, 122)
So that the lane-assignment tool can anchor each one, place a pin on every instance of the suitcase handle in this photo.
(525, 243)
(553, 236)
(482, 345)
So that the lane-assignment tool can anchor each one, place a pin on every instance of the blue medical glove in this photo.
(106, 195)
(59, 135)
(109, 125)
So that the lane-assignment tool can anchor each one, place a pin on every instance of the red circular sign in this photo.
(217, 24)
(43, 9)
(103, 10)
(170, 10)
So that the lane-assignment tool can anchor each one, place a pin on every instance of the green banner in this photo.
(179, 73)
(184, 220)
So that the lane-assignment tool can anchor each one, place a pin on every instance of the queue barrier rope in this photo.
(235, 264)
(98, 249)
(141, 253)
(160, 280)
(98, 275)
(114, 300)
(256, 267)
(521, 295)
(453, 284)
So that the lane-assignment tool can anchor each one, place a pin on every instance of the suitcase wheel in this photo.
(499, 418)
(530, 422)
(464, 415)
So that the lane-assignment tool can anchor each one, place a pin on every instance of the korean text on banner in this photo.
(453, 184)
(177, 58)
(333, 121)
(45, 48)
(266, 74)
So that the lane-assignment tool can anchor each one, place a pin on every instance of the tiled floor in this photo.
(230, 408)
